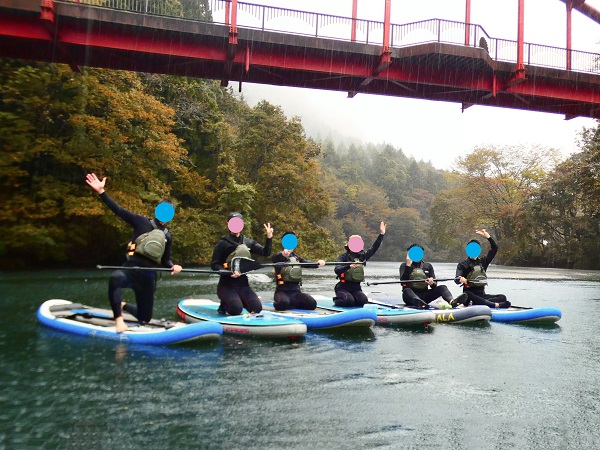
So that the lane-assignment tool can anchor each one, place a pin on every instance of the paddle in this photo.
(164, 269)
(393, 306)
(389, 305)
(243, 265)
(409, 281)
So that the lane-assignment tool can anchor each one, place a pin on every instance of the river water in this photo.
(452, 386)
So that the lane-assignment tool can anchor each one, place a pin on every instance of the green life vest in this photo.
(477, 278)
(241, 250)
(355, 274)
(151, 245)
(418, 274)
(292, 274)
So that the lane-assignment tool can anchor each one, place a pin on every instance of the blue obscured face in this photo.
(416, 253)
(473, 249)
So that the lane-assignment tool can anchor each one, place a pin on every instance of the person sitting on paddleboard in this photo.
(150, 246)
(233, 290)
(420, 294)
(348, 291)
(471, 274)
(289, 279)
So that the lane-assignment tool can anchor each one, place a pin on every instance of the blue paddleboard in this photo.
(84, 320)
(527, 315)
(385, 315)
(469, 314)
(264, 324)
(323, 319)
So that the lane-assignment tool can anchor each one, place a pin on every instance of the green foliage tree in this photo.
(58, 125)
(565, 210)
(494, 186)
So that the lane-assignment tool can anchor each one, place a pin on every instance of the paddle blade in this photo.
(243, 265)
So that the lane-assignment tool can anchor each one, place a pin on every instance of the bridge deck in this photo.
(98, 37)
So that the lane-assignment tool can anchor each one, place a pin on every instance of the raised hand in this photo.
(269, 230)
(94, 182)
(382, 228)
(484, 233)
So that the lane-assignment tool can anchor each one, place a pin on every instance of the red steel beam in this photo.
(585, 9)
(569, 5)
(467, 22)
(520, 69)
(386, 29)
(354, 14)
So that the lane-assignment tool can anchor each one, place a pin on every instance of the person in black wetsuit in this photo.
(143, 283)
(419, 294)
(233, 290)
(471, 274)
(289, 279)
(347, 290)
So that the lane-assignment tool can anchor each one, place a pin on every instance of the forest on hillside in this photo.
(195, 142)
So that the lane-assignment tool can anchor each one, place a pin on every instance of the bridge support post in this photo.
(386, 52)
(569, 5)
(467, 23)
(520, 69)
(354, 14)
(47, 12)
(233, 33)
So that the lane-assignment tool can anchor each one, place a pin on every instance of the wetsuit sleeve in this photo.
(374, 247)
(127, 216)
(278, 257)
(462, 270)
(218, 257)
(429, 267)
(491, 254)
(166, 258)
(340, 269)
(405, 271)
(258, 249)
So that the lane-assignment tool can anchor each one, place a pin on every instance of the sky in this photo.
(438, 132)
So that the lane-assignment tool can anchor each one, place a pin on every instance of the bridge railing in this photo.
(290, 21)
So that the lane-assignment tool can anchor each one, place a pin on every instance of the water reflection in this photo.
(492, 386)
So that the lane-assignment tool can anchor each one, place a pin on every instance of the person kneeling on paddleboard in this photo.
(233, 290)
(471, 274)
(150, 246)
(348, 291)
(419, 294)
(289, 279)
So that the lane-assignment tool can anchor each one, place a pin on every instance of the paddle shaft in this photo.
(159, 269)
(309, 264)
(244, 265)
(410, 281)
(389, 305)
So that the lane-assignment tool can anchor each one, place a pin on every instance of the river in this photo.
(449, 387)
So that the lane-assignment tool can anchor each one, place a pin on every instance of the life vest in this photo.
(241, 250)
(354, 274)
(418, 274)
(290, 274)
(150, 245)
(477, 278)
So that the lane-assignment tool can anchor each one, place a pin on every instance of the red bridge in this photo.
(236, 41)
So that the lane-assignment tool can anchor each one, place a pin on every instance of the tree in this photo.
(494, 186)
(565, 210)
(56, 126)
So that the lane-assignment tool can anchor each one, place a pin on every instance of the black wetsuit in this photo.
(349, 293)
(235, 293)
(143, 283)
(287, 293)
(477, 295)
(413, 296)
